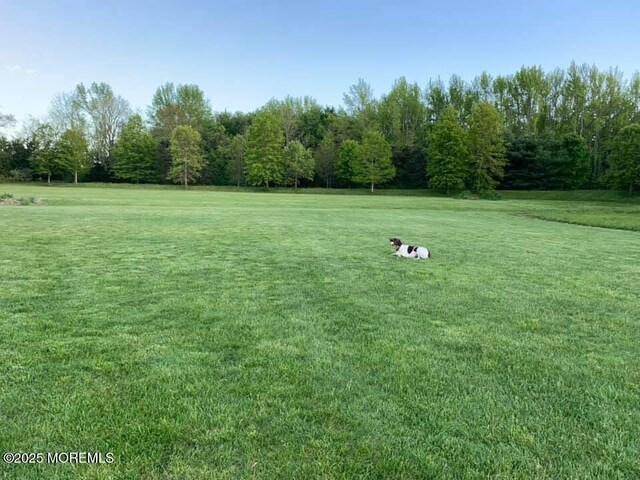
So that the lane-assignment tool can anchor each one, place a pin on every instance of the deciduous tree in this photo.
(486, 148)
(298, 163)
(264, 161)
(136, 153)
(186, 155)
(447, 168)
(374, 165)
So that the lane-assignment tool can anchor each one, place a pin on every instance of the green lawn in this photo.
(209, 334)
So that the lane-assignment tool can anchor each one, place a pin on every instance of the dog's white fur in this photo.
(402, 250)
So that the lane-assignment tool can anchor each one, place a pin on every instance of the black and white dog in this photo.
(409, 251)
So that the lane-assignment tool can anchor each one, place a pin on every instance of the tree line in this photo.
(564, 129)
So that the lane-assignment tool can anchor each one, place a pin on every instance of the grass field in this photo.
(207, 334)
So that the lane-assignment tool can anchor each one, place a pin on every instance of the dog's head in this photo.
(395, 243)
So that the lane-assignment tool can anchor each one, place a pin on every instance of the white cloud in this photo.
(19, 69)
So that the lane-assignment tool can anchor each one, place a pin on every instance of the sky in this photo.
(243, 53)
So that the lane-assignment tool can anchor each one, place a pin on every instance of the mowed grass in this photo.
(207, 334)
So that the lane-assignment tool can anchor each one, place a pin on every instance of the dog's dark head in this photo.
(395, 243)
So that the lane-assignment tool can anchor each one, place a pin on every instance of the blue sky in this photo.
(242, 53)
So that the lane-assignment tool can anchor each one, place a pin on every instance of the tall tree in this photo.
(107, 113)
(447, 168)
(44, 158)
(624, 161)
(73, 153)
(186, 155)
(325, 156)
(136, 153)
(486, 147)
(265, 165)
(402, 114)
(298, 163)
(349, 156)
(361, 104)
(374, 165)
(236, 151)
(178, 105)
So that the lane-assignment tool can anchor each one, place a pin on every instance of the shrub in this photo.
(467, 195)
(20, 175)
(492, 195)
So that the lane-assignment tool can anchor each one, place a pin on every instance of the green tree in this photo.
(325, 156)
(486, 147)
(264, 161)
(6, 120)
(362, 105)
(135, 153)
(186, 155)
(402, 114)
(44, 157)
(624, 160)
(182, 105)
(374, 165)
(447, 167)
(349, 156)
(73, 153)
(236, 152)
(298, 163)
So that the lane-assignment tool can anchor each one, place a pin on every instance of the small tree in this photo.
(264, 161)
(349, 156)
(298, 162)
(624, 159)
(186, 155)
(136, 153)
(447, 166)
(73, 153)
(374, 165)
(486, 148)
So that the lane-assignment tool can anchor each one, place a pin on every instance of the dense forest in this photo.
(564, 129)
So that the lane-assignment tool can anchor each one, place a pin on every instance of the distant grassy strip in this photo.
(619, 220)
(572, 195)
(563, 195)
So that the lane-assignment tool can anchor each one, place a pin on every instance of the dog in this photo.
(409, 251)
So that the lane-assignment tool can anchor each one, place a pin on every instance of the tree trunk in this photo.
(49, 178)
(295, 183)
(371, 187)
(185, 175)
(267, 184)
(75, 177)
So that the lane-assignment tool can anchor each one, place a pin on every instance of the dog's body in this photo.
(409, 251)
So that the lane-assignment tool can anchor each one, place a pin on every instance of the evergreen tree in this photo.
(264, 161)
(486, 148)
(136, 153)
(447, 168)
(374, 165)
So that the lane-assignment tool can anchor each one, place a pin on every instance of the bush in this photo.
(492, 195)
(20, 175)
(467, 195)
